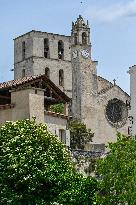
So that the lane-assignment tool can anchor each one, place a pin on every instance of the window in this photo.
(116, 112)
(62, 136)
(23, 73)
(46, 48)
(47, 72)
(61, 50)
(23, 50)
(84, 38)
(61, 77)
(75, 38)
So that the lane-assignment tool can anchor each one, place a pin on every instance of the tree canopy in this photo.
(36, 168)
(79, 135)
(117, 172)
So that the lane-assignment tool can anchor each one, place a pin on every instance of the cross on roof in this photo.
(114, 82)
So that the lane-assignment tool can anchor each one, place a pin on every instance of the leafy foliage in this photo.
(79, 135)
(36, 169)
(58, 108)
(118, 173)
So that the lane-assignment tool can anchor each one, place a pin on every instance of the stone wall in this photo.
(90, 93)
(85, 161)
(18, 47)
(38, 45)
(35, 46)
(55, 65)
(104, 131)
(35, 62)
(27, 65)
(103, 84)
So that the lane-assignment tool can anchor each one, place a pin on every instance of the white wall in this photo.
(56, 123)
(132, 72)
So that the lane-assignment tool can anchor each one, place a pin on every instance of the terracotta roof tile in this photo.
(54, 114)
(12, 83)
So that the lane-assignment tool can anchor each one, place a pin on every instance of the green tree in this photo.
(58, 108)
(79, 135)
(117, 172)
(36, 169)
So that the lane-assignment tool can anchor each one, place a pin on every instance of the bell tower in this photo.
(81, 34)
(84, 80)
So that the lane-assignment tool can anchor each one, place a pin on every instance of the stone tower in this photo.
(81, 34)
(38, 52)
(84, 79)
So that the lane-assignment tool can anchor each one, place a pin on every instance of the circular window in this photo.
(116, 112)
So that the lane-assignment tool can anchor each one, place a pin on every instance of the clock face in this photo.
(85, 53)
(74, 54)
(116, 112)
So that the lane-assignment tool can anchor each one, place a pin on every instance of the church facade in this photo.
(67, 62)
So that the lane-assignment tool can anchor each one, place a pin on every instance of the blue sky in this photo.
(113, 30)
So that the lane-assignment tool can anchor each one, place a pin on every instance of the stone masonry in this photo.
(100, 104)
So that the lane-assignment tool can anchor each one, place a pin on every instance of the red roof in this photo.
(32, 79)
(15, 83)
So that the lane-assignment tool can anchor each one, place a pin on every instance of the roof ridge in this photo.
(109, 87)
(106, 89)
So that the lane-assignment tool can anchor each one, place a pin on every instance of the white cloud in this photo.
(113, 12)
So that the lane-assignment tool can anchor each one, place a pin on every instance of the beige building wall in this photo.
(36, 106)
(104, 131)
(21, 100)
(55, 124)
(27, 105)
(5, 115)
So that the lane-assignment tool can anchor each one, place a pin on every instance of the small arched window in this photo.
(61, 77)
(47, 72)
(46, 48)
(60, 50)
(75, 38)
(23, 73)
(84, 38)
(23, 50)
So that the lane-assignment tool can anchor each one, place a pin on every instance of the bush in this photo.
(36, 169)
(58, 108)
(117, 173)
